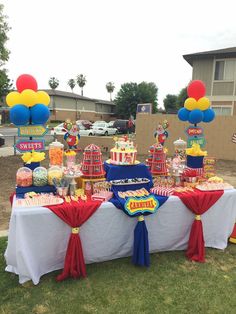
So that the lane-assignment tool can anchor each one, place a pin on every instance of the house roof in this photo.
(220, 53)
(52, 92)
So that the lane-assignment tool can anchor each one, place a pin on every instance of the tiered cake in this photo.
(124, 152)
(156, 161)
(92, 165)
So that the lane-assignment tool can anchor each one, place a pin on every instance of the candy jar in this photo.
(72, 187)
(40, 176)
(180, 146)
(54, 172)
(56, 151)
(88, 189)
(70, 159)
(24, 177)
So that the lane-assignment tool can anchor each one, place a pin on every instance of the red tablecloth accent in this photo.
(74, 214)
(198, 202)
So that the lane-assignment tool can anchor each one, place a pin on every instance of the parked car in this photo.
(104, 129)
(2, 140)
(86, 123)
(99, 122)
(122, 126)
(59, 130)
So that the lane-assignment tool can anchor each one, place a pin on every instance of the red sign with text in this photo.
(26, 146)
(194, 131)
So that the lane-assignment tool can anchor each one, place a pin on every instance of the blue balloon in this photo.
(183, 114)
(195, 116)
(39, 114)
(19, 115)
(208, 115)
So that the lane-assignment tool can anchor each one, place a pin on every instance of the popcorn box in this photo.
(195, 161)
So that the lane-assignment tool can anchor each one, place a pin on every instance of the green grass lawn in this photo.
(171, 285)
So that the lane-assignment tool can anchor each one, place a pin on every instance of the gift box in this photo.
(195, 161)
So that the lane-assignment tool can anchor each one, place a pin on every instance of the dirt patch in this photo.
(9, 165)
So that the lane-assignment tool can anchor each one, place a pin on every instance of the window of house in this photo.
(222, 111)
(224, 70)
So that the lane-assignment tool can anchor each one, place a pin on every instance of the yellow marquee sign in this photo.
(142, 205)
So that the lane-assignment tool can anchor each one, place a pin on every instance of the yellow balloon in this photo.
(28, 97)
(190, 103)
(13, 98)
(43, 98)
(203, 103)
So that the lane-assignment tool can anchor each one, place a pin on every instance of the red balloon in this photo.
(196, 89)
(26, 81)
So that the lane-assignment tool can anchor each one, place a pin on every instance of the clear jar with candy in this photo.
(54, 173)
(24, 177)
(40, 176)
(56, 152)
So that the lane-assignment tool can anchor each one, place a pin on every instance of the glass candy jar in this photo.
(54, 172)
(180, 147)
(40, 176)
(56, 151)
(24, 177)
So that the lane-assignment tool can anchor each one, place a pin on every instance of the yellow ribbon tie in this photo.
(198, 217)
(140, 218)
(75, 230)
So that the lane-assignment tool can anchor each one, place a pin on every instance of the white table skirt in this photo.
(38, 239)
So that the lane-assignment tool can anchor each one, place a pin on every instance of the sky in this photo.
(114, 40)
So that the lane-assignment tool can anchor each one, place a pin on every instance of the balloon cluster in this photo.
(27, 104)
(196, 107)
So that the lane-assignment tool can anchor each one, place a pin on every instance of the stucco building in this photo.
(66, 105)
(217, 69)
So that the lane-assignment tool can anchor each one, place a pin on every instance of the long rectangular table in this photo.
(38, 239)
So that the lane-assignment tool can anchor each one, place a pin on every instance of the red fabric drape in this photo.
(198, 202)
(74, 214)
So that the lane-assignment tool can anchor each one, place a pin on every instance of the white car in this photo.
(104, 129)
(59, 130)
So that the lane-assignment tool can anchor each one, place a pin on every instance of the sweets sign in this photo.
(25, 146)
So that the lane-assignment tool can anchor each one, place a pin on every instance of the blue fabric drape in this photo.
(114, 172)
(141, 245)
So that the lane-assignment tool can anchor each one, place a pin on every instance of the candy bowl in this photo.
(40, 176)
(24, 177)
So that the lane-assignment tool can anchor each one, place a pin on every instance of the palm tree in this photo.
(81, 81)
(71, 83)
(53, 82)
(110, 88)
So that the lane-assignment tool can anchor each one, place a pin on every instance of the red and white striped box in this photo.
(161, 190)
(199, 171)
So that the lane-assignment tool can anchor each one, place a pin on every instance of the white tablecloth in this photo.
(38, 239)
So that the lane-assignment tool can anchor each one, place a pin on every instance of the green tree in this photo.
(181, 97)
(131, 94)
(170, 103)
(72, 84)
(53, 82)
(110, 88)
(81, 81)
(5, 82)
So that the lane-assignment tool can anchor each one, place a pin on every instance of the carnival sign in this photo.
(148, 204)
(32, 130)
(27, 146)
